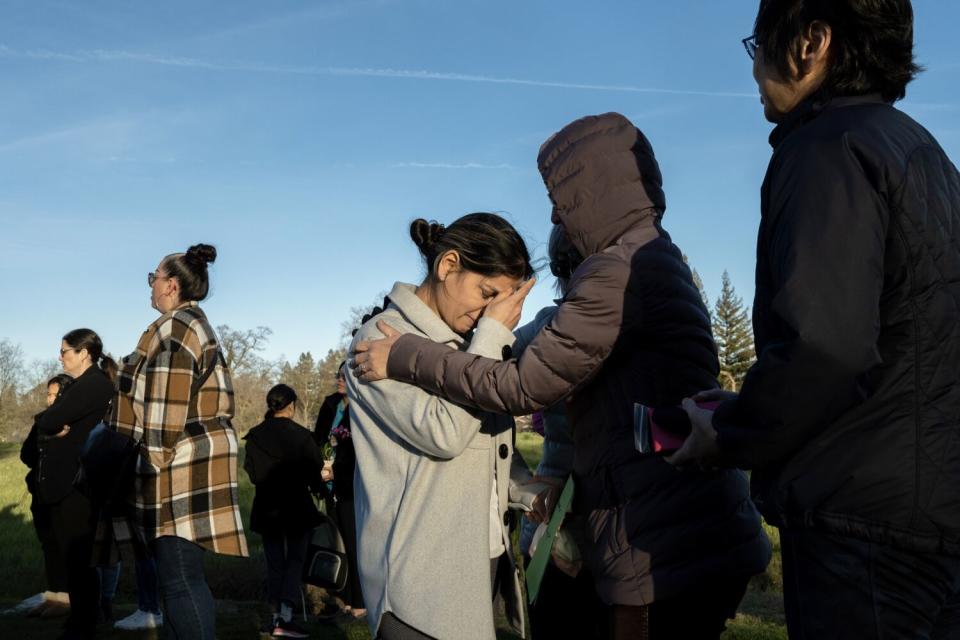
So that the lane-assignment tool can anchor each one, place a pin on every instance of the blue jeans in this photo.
(109, 577)
(148, 588)
(187, 602)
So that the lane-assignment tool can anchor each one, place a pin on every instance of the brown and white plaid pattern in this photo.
(186, 479)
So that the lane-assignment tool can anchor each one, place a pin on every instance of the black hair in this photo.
(871, 48)
(279, 398)
(88, 339)
(190, 270)
(487, 244)
(62, 380)
(564, 257)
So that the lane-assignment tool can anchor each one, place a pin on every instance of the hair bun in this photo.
(426, 234)
(205, 253)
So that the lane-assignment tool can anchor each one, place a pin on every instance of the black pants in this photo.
(840, 587)
(347, 523)
(286, 554)
(567, 607)
(393, 628)
(700, 613)
(72, 520)
(54, 564)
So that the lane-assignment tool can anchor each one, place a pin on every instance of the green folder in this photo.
(538, 564)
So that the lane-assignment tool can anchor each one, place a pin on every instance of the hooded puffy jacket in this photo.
(632, 328)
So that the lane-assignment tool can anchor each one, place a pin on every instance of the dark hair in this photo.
(279, 398)
(89, 340)
(487, 244)
(564, 257)
(190, 270)
(871, 49)
(62, 380)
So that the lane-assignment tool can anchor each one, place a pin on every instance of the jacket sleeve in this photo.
(825, 238)
(321, 429)
(526, 333)
(29, 453)
(313, 459)
(169, 377)
(82, 398)
(428, 422)
(564, 355)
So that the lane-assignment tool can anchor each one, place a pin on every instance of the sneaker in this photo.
(28, 605)
(291, 629)
(139, 620)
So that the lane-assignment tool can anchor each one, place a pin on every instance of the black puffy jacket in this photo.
(851, 415)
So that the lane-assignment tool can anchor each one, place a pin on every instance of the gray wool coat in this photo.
(423, 482)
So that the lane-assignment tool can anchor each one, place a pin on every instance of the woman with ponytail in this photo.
(175, 395)
(431, 486)
(284, 463)
(61, 432)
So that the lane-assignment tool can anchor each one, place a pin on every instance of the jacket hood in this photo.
(603, 178)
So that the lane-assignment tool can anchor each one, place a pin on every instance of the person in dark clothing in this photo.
(284, 463)
(55, 600)
(333, 421)
(850, 417)
(62, 431)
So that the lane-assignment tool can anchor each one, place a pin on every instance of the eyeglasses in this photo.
(64, 351)
(751, 44)
(153, 277)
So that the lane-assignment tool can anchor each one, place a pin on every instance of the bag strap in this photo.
(206, 374)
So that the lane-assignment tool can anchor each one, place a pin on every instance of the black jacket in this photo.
(30, 455)
(345, 462)
(83, 404)
(284, 463)
(851, 415)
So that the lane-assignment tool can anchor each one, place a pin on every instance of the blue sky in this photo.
(302, 137)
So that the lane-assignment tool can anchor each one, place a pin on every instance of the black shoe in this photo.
(105, 613)
(291, 629)
(268, 626)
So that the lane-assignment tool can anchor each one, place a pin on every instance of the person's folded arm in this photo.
(80, 399)
(826, 253)
(562, 356)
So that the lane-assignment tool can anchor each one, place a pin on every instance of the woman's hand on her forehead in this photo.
(507, 307)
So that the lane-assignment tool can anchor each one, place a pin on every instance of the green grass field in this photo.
(238, 585)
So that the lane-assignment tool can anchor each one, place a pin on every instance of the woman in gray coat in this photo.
(432, 478)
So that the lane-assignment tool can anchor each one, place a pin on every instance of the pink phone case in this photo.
(650, 437)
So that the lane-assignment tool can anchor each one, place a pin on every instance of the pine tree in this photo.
(733, 334)
(698, 281)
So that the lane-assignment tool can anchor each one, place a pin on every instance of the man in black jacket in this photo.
(850, 417)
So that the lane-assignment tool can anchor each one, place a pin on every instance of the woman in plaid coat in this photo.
(175, 395)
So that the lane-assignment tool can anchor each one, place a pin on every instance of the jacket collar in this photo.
(812, 107)
(403, 296)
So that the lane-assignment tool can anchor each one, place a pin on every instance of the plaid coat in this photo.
(186, 478)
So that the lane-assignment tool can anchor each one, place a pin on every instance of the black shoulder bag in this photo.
(108, 459)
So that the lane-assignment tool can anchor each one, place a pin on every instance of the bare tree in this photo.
(349, 326)
(11, 365)
(240, 348)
